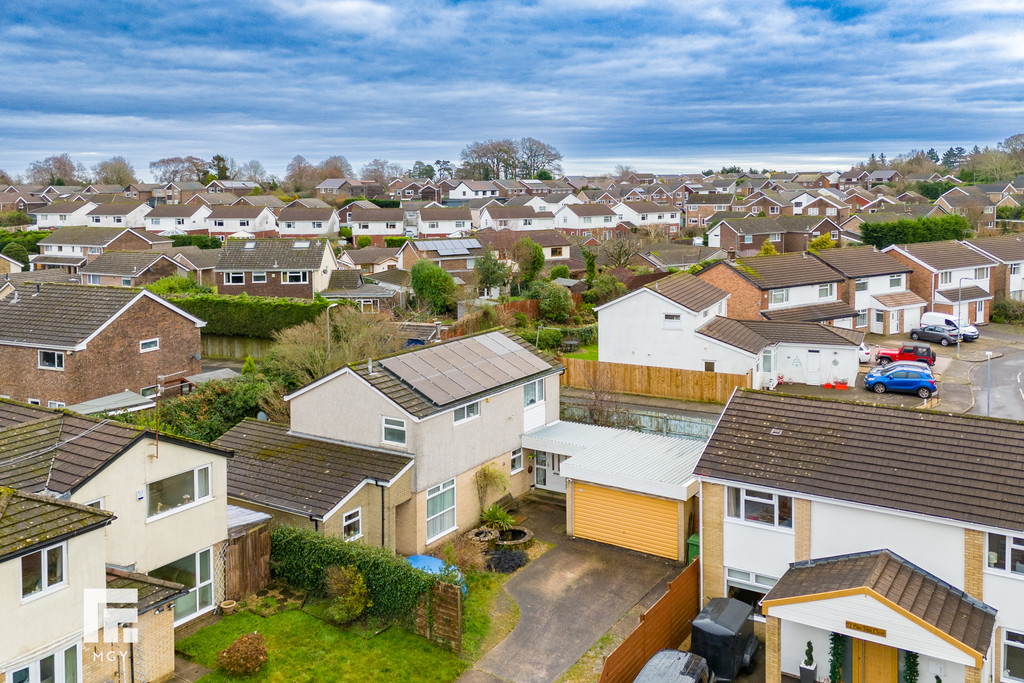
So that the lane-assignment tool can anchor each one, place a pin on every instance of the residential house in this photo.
(179, 192)
(296, 269)
(586, 219)
(61, 214)
(518, 218)
(413, 190)
(951, 276)
(836, 525)
(345, 212)
(878, 287)
(238, 188)
(298, 221)
(374, 259)
(667, 255)
(212, 199)
(473, 189)
(142, 192)
(793, 287)
(452, 408)
(549, 203)
(177, 219)
(244, 221)
(813, 180)
(1008, 252)
(649, 216)
(9, 265)
(51, 552)
(437, 221)
(272, 201)
(340, 188)
(453, 255)
(973, 204)
(118, 215)
(510, 187)
(745, 236)
(349, 285)
(700, 207)
(199, 263)
(884, 175)
(62, 344)
(130, 268)
(394, 280)
(555, 244)
(377, 224)
(73, 246)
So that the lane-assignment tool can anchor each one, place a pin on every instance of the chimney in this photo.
(369, 366)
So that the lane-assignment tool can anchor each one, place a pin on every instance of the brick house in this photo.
(62, 344)
(795, 287)
(72, 247)
(275, 267)
(951, 276)
(700, 207)
(516, 218)
(130, 268)
(745, 236)
(454, 255)
(340, 188)
(239, 188)
(830, 519)
(1008, 252)
(374, 259)
(199, 263)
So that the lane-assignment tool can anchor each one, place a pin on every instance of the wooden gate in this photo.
(665, 626)
(247, 563)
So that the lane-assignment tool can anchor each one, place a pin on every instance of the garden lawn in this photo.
(488, 613)
(303, 648)
(588, 352)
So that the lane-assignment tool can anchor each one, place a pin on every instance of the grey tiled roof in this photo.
(152, 593)
(271, 254)
(689, 291)
(299, 474)
(369, 255)
(947, 255)
(786, 270)
(872, 455)
(28, 521)
(123, 263)
(115, 209)
(832, 310)
(754, 335)
(60, 315)
(862, 262)
(301, 213)
(83, 235)
(200, 258)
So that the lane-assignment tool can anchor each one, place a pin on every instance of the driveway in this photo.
(568, 598)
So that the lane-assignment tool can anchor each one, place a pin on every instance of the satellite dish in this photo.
(261, 416)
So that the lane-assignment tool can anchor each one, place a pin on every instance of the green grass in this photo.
(483, 622)
(303, 648)
(588, 352)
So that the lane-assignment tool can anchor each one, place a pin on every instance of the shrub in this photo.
(433, 286)
(349, 595)
(521, 319)
(549, 338)
(177, 284)
(392, 242)
(11, 218)
(387, 203)
(249, 366)
(604, 288)
(554, 302)
(245, 656)
(496, 518)
(464, 554)
(248, 316)
(561, 270)
(1008, 311)
(16, 251)
(345, 232)
(201, 241)
(507, 560)
(363, 241)
(301, 556)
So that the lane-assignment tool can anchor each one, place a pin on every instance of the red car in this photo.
(914, 352)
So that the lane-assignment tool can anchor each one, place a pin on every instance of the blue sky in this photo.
(665, 85)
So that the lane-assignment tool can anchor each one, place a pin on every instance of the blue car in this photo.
(903, 378)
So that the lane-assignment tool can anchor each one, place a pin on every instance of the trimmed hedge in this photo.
(301, 557)
(249, 316)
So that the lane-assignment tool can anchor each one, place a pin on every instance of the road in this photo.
(1007, 386)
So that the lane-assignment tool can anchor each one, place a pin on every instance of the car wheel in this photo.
(884, 361)
(924, 392)
(944, 341)
(878, 388)
(915, 336)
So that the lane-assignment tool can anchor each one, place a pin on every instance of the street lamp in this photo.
(329, 331)
(988, 400)
(959, 314)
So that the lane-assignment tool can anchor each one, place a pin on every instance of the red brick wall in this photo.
(127, 242)
(272, 287)
(921, 280)
(999, 278)
(747, 301)
(111, 363)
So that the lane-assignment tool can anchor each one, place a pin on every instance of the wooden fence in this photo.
(233, 348)
(665, 626)
(646, 380)
(247, 563)
(443, 623)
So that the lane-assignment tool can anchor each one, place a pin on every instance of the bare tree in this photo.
(334, 167)
(57, 169)
(253, 171)
(621, 170)
(174, 169)
(499, 157)
(114, 171)
(444, 169)
(300, 174)
(5, 179)
(1014, 146)
(535, 156)
(382, 171)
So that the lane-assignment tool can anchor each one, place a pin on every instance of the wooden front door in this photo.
(874, 663)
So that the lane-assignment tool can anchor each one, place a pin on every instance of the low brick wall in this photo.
(445, 626)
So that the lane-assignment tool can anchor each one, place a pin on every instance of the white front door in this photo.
(979, 313)
(547, 469)
(894, 322)
(814, 368)
(878, 323)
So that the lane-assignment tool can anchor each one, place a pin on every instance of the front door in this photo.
(547, 468)
(894, 322)
(979, 313)
(874, 663)
(878, 323)
(814, 368)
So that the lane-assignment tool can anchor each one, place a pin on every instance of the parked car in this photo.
(905, 364)
(901, 379)
(918, 352)
(944, 334)
(969, 331)
(864, 353)
(675, 666)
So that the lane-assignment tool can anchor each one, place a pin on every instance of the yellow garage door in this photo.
(628, 520)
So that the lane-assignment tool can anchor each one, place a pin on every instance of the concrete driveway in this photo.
(568, 598)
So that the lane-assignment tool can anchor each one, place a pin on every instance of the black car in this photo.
(943, 334)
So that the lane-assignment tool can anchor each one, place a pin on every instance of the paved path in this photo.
(568, 598)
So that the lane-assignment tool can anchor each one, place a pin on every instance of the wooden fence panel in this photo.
(665, 626)
(233, 348)
(689, 385)
(247, 563)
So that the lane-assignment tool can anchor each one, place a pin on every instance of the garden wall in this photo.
(646, 380)
(445, 626)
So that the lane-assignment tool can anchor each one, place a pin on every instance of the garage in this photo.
(625, 488)
(628, 520)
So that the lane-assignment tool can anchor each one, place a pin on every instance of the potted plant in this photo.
(228, 607)
(808, 668)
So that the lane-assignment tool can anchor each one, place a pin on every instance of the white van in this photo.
(967, 330)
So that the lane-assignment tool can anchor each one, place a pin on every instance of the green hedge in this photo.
(249, 316)
(301, 557)
(551, 337)
(1008, 311)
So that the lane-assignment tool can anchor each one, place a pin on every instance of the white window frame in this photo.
(200, 584)
(1010, 544)
(438, 490)
(778, 296)
(34, 402)
(946, 277)
(467, 412)
(760, 497)
(58, 360)
(860, 285)
(538, 392)
(55, 404)
(516, 461)
(303, 275)
(243, 223)
(179, 221)
(60, 672)
(981, 273)
(1014, 269)
(92, 279)
(230, 278)
(152, 344)
(672, 321)
(896, 281)
(199, 500)
(393, 423)
(1019, 643)
(126, 282)
(748, 239)
(829, 290)
(46, 588)
(350, 518)
(862, 318)
(775, 237)
(259, 277)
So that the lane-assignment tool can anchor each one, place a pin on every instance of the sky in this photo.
(662, 85)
